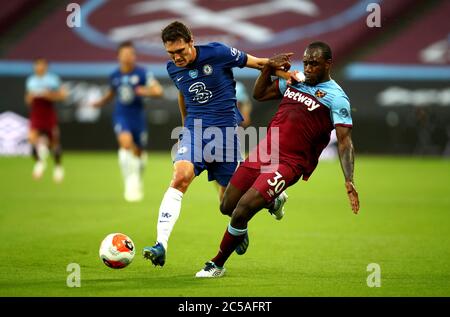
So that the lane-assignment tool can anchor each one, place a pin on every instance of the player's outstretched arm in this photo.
(28, 98)
(346, 156)
(280, 61)
(256, 62)
(265, 88)
(153, 89)
(108, 97)
(55, 95)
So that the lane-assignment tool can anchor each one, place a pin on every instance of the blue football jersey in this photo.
(208, 85)
(124, 85)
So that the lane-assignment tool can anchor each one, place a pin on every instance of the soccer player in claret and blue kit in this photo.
(309, 110)
(43, 90)
(129, 84)
(207, 101)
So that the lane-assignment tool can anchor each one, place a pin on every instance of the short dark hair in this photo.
(174, 31)
(323, 47)
(40, 59)
(125, 44)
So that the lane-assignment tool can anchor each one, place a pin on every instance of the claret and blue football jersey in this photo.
(328, 93)
(303, 123)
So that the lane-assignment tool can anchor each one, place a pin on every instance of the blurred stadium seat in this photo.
(12, 11)
(366, 68)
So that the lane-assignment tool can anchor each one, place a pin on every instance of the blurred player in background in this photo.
(331, 151)
(244, 104)
(204, 77)
(307, 114)
(128, 85)
(43, 89)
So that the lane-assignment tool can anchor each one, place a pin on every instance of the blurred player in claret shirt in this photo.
(307, 114)
(43, 89)
(128, 85)
(207, 96)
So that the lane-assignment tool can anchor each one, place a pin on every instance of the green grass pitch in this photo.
(319, 249)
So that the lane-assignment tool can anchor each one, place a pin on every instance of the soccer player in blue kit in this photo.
(128, 85)
(207, 100)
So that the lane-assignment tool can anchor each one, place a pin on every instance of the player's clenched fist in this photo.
(352, 196)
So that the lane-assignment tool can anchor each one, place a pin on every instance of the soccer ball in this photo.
(117, 250)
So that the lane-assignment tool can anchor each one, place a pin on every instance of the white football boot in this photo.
(41, 163)
(210, 271)
(278, 206)
(133, 188)
(38, 169)
(58, 174)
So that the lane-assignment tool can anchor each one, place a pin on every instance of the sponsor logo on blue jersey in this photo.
(202, 94)
(193, 73)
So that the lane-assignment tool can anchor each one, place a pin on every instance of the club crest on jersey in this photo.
(182, 150)
(193, 73)
(319, 93)
(134, 79)
(344, 112)
(207, 69)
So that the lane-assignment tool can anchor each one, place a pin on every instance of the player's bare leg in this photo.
(33, 140)
(143, 162)
(39, 144)
(250, 203)
(229, 202)
(169, 210)
(142, 157)
(232, 196)
(55, 144)
(220, 190)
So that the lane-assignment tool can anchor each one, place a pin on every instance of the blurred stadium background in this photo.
(397, 77)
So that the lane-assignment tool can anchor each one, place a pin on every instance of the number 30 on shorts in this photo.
(277, 182)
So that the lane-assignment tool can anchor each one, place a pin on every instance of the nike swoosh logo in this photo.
(178, 79)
